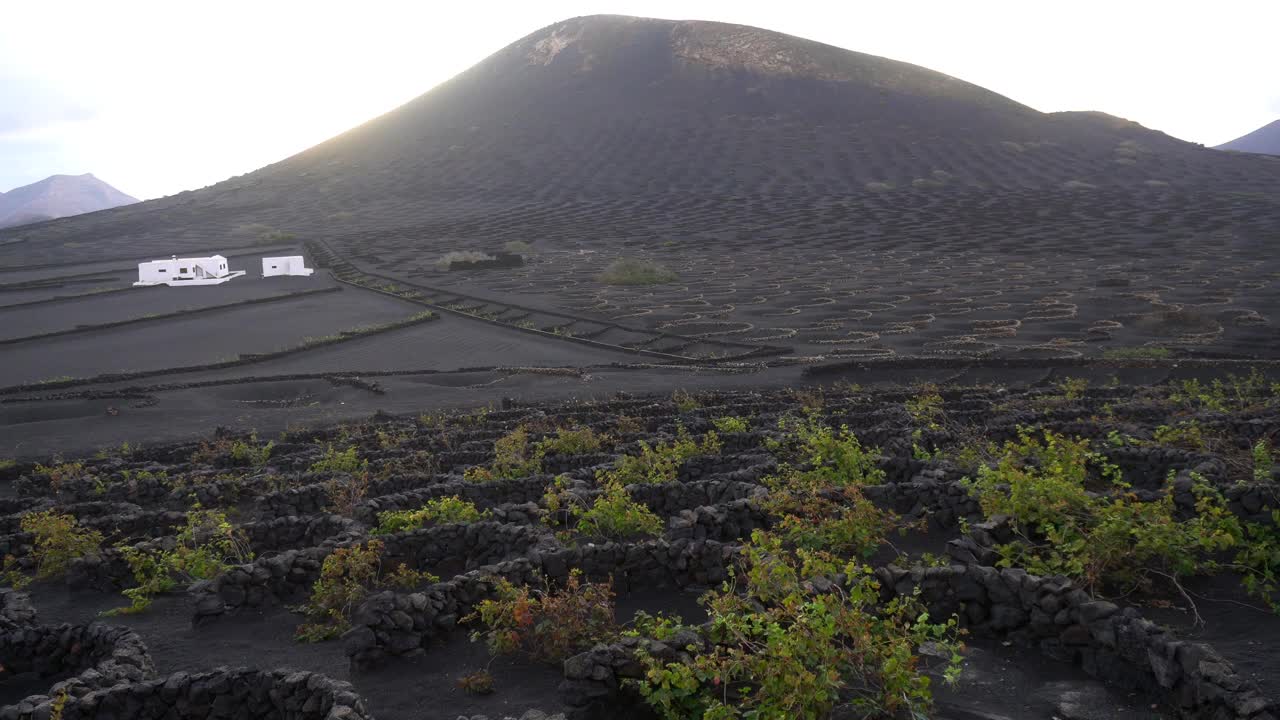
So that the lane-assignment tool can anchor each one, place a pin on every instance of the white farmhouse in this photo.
(178, 271)
(287, 265)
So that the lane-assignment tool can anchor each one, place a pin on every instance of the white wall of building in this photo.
(286, 265)
(176, 271)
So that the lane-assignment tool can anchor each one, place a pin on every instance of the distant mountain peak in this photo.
(59, 196)
(591, 42)
(1265, 141)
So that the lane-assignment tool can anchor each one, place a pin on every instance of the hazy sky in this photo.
(160, 97)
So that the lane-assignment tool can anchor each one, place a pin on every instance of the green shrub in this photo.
(250, 453)
(1258, 559)
(347, 491)
(575, 441)
(388, 440)
(344, 461)
(838, 458)
(634, 271)
(926, 408)
(1073, 388)
(206, 546)
(1262, 462)
(58, 539)
(11, 574)
(1187, 435)
(614, 514)
(1104, 540)
(124, 450)
(1235, 394)
(684, 400)
(62, 472)
(513, 457)
(778, 650)
(1040, 481)
(237, 451)
(808, 514)
(660, 463)
(730, 424)
(439, 511)
(347, 577)
(550, 625)
(1117, 439)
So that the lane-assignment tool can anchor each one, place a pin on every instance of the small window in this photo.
(162, 270)
(182, 270)
(273, 267)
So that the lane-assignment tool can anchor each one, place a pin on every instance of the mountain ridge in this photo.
(615, 112)
(1264, 141)
(59, 196)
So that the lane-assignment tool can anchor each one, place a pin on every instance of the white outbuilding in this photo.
(176, 271)
(287, 265)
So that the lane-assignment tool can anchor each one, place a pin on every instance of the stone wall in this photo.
(294, 531)
(98, 656)
(485, 495)
(401, 624)
(289, 575)
(16, 609)
(220, 694)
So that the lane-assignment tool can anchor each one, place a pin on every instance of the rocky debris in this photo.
(16, 610)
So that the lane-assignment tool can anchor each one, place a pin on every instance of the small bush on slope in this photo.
(347, 577)
(1235, 394)
(660, 463)
(811, 515)
(439, 510)
(779, 650)
(206, 546)
(61, 472)
(837, 458)
(58, 539)
(1113, 540)
(513, 457)
(237, 451)
(614, 514)
(731, 424)
(572, 441)
(548, 624)
(340, 461)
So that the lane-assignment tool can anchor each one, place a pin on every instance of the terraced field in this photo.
(921, 404)
(660, 499)
(1048, 274)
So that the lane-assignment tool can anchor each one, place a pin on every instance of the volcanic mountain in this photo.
(612, 116)
(58, 196)
(1264, 140)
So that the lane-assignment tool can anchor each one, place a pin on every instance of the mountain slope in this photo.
(1265, 140)
(595, 121)
(59, 196)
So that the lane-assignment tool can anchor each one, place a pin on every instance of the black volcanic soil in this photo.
(1000, 678)
(830, 217)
